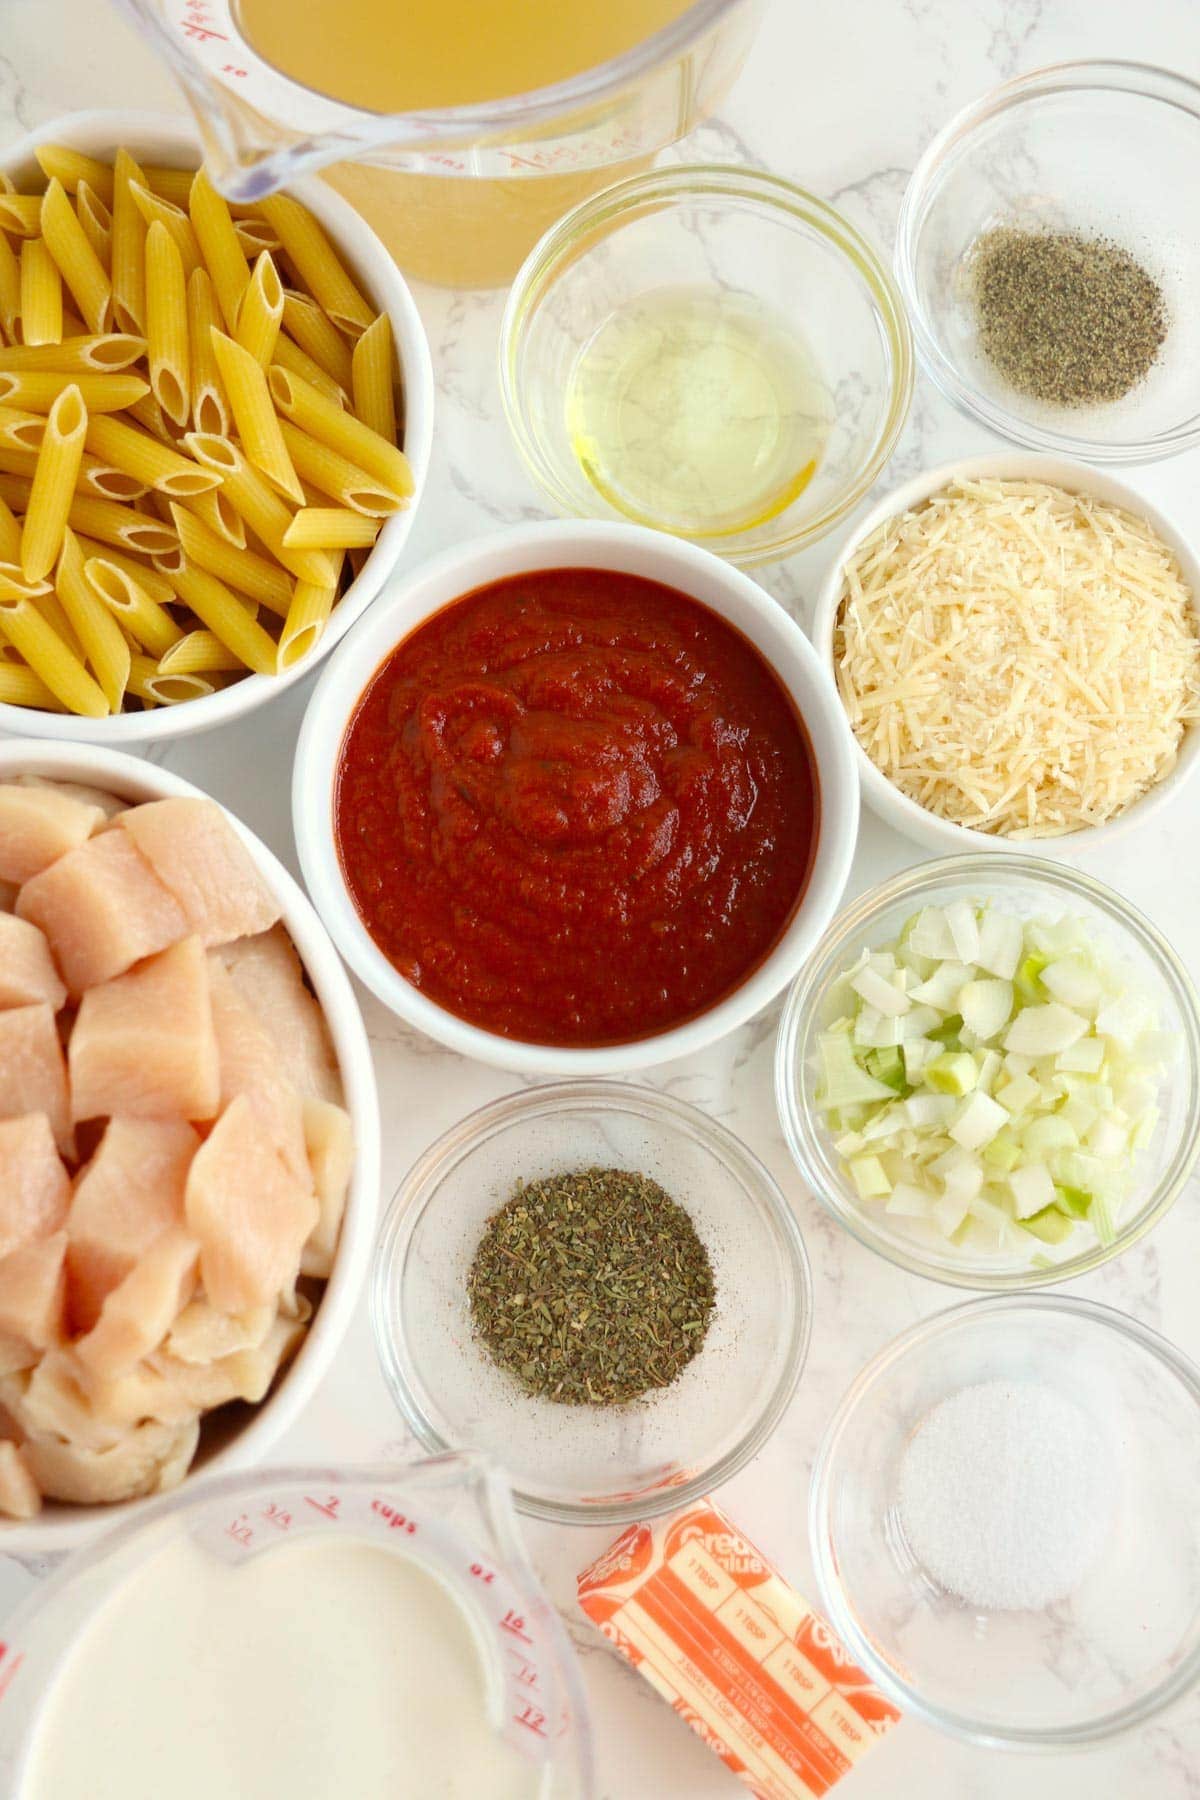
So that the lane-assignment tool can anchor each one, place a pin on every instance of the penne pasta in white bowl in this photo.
(105, 781)
(216, 463)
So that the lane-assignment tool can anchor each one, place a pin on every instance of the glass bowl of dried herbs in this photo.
(602, 1287)
(1049, 265)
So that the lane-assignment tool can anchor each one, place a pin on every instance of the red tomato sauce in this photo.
(576, 808)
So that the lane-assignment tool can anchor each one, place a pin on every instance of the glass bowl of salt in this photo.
(1004, 1522)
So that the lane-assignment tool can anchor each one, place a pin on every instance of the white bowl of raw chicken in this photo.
(237, 1436)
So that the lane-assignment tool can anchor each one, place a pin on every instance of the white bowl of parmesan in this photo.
(1016, 643)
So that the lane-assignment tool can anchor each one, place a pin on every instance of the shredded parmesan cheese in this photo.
(1018, 659)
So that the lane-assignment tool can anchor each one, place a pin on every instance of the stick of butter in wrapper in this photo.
(739, 1655)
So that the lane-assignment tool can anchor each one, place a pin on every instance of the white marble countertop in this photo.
(842, 98)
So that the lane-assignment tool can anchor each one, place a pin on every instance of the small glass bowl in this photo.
(1126, 1642)
(1034, 888)
(721, 229)
(593, 1465)
(1099, 147)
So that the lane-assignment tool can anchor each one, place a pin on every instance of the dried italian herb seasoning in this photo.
(1064, 318)
(591, 1288)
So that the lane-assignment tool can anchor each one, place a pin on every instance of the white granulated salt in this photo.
(1006, 1492)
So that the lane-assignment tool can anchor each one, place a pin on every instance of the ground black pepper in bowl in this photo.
(1065, 318)
(591, 1287)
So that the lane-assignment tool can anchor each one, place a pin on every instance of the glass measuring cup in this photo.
(451, 1514)
(459, 193)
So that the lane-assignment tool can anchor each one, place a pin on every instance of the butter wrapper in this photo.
(736, 1651)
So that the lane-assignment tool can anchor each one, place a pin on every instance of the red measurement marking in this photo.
(533, 1719)
(203, 34)
(6, 1680)
(513, 1622)
(228, 69)
(482, 1574)
(240, 1530)
(277, 1516)
(527, 1674)
(328, 1507)
(397, 1521)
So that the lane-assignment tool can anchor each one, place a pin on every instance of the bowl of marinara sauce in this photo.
(575, 797)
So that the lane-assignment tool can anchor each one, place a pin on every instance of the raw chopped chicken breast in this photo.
(144, 1045)
(102, 909)
(270, 978)
(197, 854)
(129, 1193)
(249, 1211)
(33, 1074)
(19, 1496)
(27, 971)
(330, 1143)
(38, 825)
(33, 1289)
(138, 1314)
(149, 1264)
(35, 1189)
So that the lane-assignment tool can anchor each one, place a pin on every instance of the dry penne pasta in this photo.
(317, 263)
(120, 525)
(170, 687)
(216, 510)
(219, 246)
(10, 534)
(372, 385)
(41, 296)
(53, 490)
(290, 356)
(166, 324)
(255, 417)
(58, 162)
(157, 585)
(128, 247)
(256, 576)
(126, 596)
(174, 185)
(257, 502)
(307, 618)
(98, 632)
(147, 459)
(44, 651)
(312, 412)
(227, 618)
(210, 409)
(81, 269)
(174, 221)
(10, 288)
(21, 214)
(315, 333)
(335, 476)
(199, 653)
(96, 220)
(330, 528)
(261, 311)
(255, 235)
(194, 458)
(21, 430)
(109, 352)
(19, 686)
(36, 390)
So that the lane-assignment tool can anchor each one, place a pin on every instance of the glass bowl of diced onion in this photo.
(989, 1072)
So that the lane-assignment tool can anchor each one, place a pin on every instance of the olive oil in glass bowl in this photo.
(709, 351)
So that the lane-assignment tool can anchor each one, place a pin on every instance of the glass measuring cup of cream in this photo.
(297, 1634)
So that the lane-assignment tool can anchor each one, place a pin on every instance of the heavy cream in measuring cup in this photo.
(316, 1669)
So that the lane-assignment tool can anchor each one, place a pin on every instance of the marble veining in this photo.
(842, 98)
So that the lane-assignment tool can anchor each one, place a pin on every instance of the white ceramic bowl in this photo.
(59, 1526)
(164, 138)
(636, 551)
(886, 800)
